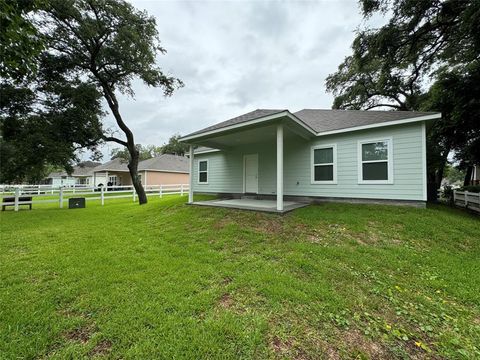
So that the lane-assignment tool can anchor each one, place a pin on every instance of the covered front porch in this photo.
(245, 161)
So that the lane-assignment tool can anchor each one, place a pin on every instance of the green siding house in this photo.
(313, 155)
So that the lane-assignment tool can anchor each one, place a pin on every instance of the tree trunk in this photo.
(129, 144)
(468, 176)
(133, 168)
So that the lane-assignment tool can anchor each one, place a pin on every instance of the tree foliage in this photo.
(105, 44)
(45, 123)
(145, 152)
(426, 57)
(174, 146)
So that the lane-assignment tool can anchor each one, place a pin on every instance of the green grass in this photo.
(171, 281)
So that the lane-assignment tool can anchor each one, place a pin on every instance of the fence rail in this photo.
(42, 194)
(467, 199)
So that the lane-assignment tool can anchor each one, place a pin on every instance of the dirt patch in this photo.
(102, 348)
(287, 349)
(81, 334)
(225, 301)
(226, 280)
(223, 222)
(268, 224)
(354, 340)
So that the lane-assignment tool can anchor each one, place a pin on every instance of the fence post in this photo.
(161, 190)
(181, 189)
(38, 189)
(466, 198)
(102, 195)
(134, 193)
(61, 197)
(454, 197)
(17, 198)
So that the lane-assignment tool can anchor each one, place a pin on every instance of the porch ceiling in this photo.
(253, 135)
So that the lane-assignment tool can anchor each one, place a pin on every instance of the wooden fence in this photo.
(42, 194)
(469, 200)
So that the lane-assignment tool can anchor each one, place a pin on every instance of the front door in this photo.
(250, 163)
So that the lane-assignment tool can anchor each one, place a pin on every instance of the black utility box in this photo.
(76, 203)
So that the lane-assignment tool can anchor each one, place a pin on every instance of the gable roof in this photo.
(164, 162)
(81, 169)
(320, 121)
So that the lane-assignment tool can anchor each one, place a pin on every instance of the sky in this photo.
(235, 57)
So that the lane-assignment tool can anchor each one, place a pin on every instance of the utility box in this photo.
(76, 203)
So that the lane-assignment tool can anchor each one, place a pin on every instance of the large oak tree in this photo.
(426, 57)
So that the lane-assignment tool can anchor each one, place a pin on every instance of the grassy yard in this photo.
(170, 281)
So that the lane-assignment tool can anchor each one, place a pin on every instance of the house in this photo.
(161, 170)
(82, 175)
(475, 180)
(313, 155)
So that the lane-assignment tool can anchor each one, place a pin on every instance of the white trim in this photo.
(280, 167)
(382, 124)
(389, 161)
(424, 161)
(245, 173)
(190, 178)
(107, 170)
(207, 151)
(285, 113)
(198, 172)
(334, 164)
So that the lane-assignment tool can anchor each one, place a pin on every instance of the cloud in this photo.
(235, 57)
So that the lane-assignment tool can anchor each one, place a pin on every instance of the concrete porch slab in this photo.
(252, 204)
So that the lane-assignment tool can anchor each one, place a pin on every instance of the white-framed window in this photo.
(375, 161)
(324, 164)
(203, 171)
(113, 179)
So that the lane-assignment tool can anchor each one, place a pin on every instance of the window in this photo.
(113, 179)
(324, 164)
(375, 162)
(203, 172)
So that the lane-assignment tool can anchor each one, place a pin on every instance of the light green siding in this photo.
(226, 167)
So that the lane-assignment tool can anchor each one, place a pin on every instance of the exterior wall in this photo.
(225, 169)
(68, 181)
(164, 178)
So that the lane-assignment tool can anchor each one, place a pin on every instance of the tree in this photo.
(145, 152)
(44, 123)
(108, 43)
(20, 41)
(393, 66)
(174, 146)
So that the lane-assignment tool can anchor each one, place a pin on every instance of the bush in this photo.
(471, 188)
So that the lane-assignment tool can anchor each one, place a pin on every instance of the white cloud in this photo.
(235, 57)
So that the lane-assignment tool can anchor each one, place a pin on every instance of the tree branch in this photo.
(114, 139)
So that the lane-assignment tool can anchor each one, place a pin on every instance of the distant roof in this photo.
(117, 164)
(323, 120)
(164, 162)
(84, 168)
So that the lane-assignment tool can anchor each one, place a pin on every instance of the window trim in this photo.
(389, 161)
(205, 171)
(312, 164)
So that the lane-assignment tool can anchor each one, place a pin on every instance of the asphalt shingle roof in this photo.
(164, 162)
(328, 120)
(322, 120)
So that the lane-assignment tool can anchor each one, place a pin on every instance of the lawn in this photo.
(171, 281)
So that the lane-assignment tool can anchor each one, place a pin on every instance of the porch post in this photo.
(280, 167)
(190, 185)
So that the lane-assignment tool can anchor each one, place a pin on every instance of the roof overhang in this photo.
(382, 124)
(303, 128)
(294, 124)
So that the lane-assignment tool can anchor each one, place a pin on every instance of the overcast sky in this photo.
(237, 56)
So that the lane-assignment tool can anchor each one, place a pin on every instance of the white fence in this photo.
(467, 199)
(17, 195)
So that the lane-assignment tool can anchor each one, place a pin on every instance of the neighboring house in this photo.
(82, 175)
(160, 170)
(314, 155)
(475, 175)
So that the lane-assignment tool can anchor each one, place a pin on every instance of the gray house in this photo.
(313, 155)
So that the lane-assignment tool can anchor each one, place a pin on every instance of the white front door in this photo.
(250, 163)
